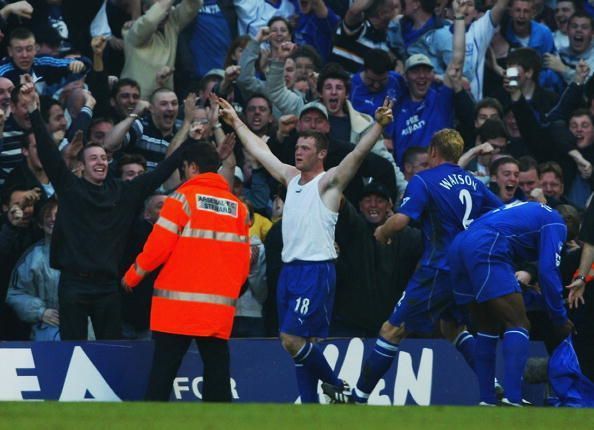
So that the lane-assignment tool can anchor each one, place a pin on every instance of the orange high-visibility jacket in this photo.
(202, 239)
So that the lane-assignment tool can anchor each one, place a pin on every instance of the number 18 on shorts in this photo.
(305, 297)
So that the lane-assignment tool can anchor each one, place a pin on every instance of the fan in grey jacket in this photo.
(33, 290)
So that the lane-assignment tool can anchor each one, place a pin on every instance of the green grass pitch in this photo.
(145, 416)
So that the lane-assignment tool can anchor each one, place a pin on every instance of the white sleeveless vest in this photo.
(308, 225)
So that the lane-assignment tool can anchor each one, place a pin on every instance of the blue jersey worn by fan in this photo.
(416, 121)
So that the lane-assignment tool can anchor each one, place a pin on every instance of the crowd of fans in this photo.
(140, 78)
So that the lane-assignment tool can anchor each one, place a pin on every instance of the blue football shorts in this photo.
(481, 267)
(426, 299)
(305, 297)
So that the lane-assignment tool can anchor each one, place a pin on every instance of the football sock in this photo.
(515, 353)
(486, 345)
(375, 366)
(307, 384)
(466, 344)
(312, 359)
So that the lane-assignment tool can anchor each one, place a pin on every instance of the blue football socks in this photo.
(374, 367)
(515, 353)
(307, 384)
(466, 344)
(311, 366)
(486, 347)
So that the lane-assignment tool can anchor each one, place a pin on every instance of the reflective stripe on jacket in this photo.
(202, 240)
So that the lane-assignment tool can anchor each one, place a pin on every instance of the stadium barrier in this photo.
(427, 372)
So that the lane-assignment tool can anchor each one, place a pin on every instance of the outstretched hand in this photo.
(70, 152)
(576, 293)
(225, 148)
(190, 107)
(227, 112)
(383, 114)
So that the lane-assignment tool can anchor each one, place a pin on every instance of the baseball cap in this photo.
(417, 60)
(220, 73)
(314, 105)
(375, 187)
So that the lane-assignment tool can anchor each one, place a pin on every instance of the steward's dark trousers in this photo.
(169, 352)
(80, 299)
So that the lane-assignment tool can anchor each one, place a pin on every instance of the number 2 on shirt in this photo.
(466, 200)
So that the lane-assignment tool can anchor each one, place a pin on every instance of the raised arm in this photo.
(356, 13)
(459, 40)
(115, 138)
(338, 177)
(144, 27)
(150, 181)
(571, 98)
(97, 77)
(247, 81)
(498, 11)
(49, 155)
(256, 146)
(84, 118)
(482, 149)
(228, 160)
(285, 100)
(319, 8)
(185, 12)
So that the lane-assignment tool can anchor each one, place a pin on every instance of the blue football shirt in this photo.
(534, 232)
(416, 122)
(446, 200)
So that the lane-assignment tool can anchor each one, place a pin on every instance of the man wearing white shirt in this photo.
(251, 15)
(478, 38)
